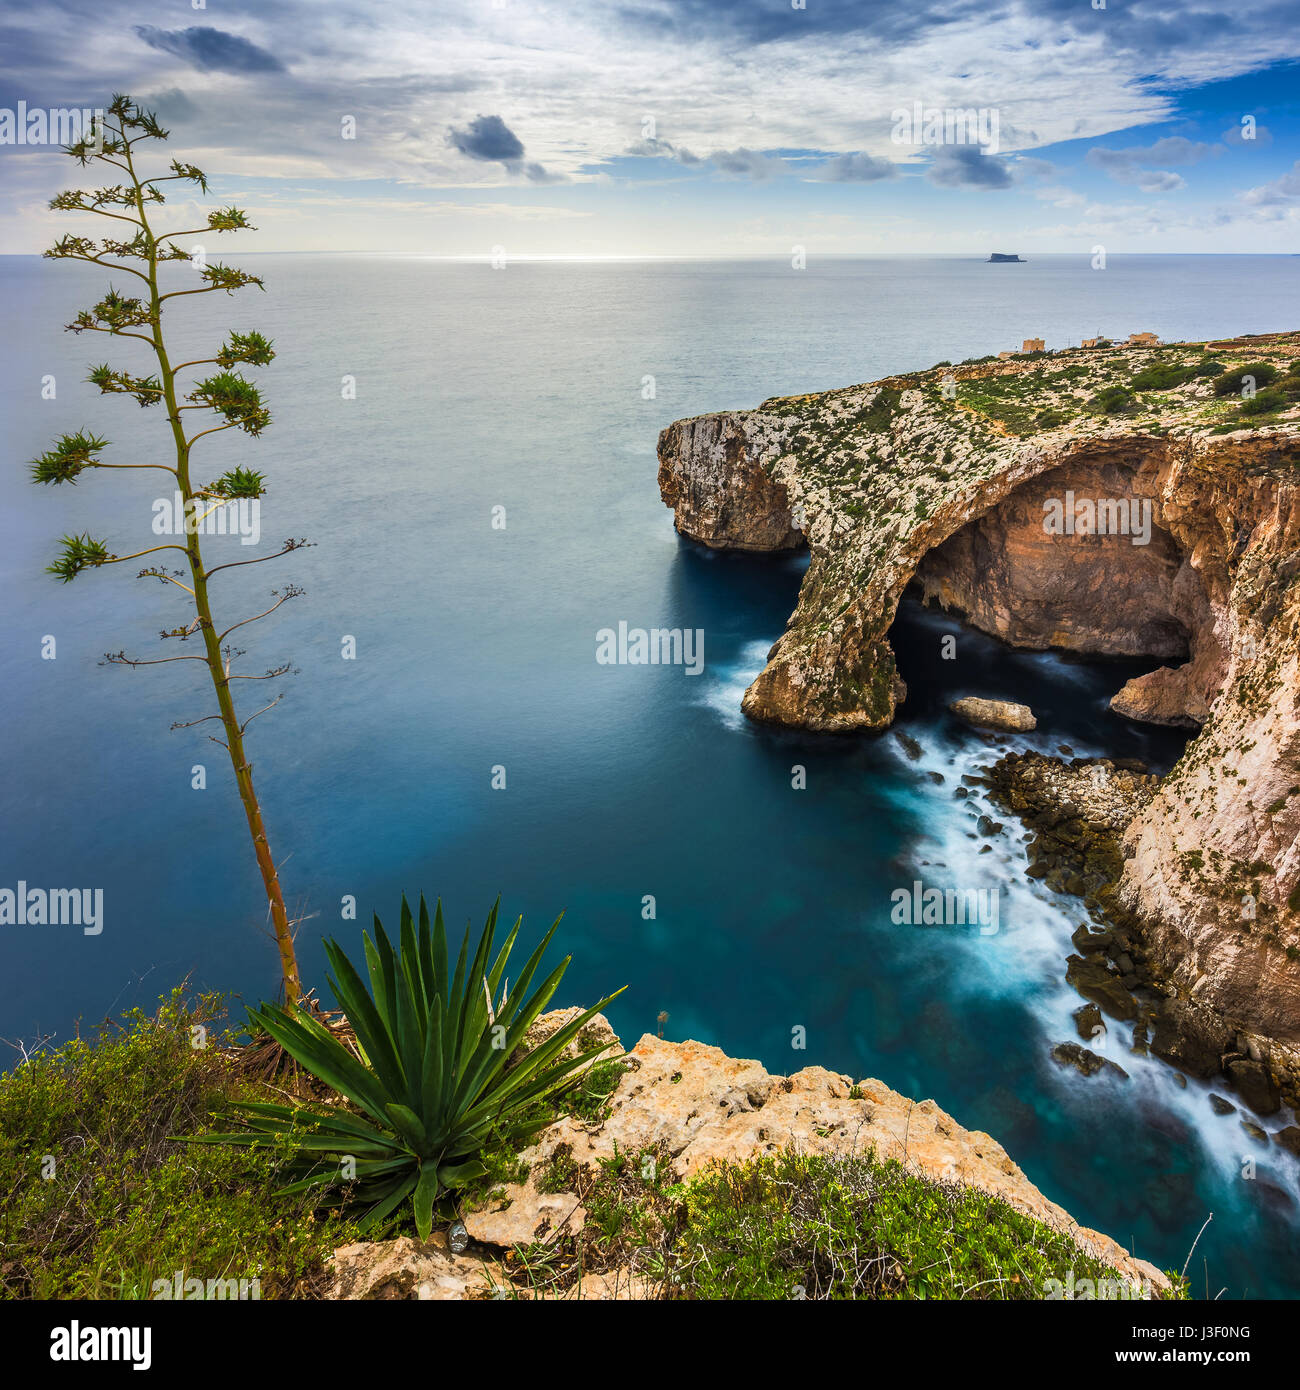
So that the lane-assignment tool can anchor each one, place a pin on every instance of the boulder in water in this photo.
(995, 714)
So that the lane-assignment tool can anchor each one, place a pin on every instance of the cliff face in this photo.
(708, 470)
(948, 478)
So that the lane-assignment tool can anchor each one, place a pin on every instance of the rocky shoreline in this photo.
(942, 479)
(1079, 810)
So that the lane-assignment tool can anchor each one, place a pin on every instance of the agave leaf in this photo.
(329, 1060)
(385, 1208)
(525, 979)
(540, 1063)
(475, 1014)
(388, 973)
(456, 997)
(410, 963)
(327, 1121)
(439, 975)
(409, 1125)
(432, 1087)
(425, 1192)
(486, 1059)
(457, 1174)
(409, 1037)
(372, 1033)
(428, 977)
(493, 977)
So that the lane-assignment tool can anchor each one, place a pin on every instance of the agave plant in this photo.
(431, 1083)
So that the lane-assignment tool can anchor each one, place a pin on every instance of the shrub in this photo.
(849, 1226)
(1264, 402)
(428, 1085)
(1162, 376)
(1112, 400)
(122, 1205)
(1229, 383)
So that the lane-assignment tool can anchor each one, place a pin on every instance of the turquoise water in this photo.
(523, 388)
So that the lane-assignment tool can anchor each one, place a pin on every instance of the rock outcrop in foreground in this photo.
(1109, 501)
(694, 1105)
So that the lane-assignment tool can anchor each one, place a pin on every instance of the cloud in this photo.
(1159, 181)
(1027, 167)
(1281, 191)
(1171, 149)
(210, 50)
(1141, 164)
(856, 168)
(489, 139)
(662, 149)
(746, 164)
(1236, 135)
(967, 166)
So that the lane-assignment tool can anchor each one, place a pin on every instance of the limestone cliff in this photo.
(948, 479)
(695, 1106)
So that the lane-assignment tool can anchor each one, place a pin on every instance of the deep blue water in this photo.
(522, 388)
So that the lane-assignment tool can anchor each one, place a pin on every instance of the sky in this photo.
(689, 127)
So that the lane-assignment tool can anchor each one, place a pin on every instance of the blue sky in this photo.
(691, 127)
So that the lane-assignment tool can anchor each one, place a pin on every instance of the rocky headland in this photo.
(966, 482)
(685, 1108)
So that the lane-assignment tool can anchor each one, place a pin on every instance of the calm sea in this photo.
(526, 389)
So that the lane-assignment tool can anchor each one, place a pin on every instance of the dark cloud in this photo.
(210, 50)
(967, 166)
(490, 139)
(487, 137)
(856, 168)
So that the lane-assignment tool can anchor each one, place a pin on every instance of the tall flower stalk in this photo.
(225, 394)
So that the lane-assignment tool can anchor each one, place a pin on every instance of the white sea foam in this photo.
(725, 682)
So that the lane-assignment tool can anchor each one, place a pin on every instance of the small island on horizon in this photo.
(1000, 258)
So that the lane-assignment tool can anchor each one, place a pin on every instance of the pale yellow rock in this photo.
(698, 1106)
(703, 1106)
(409, 1269)
(995, 714)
